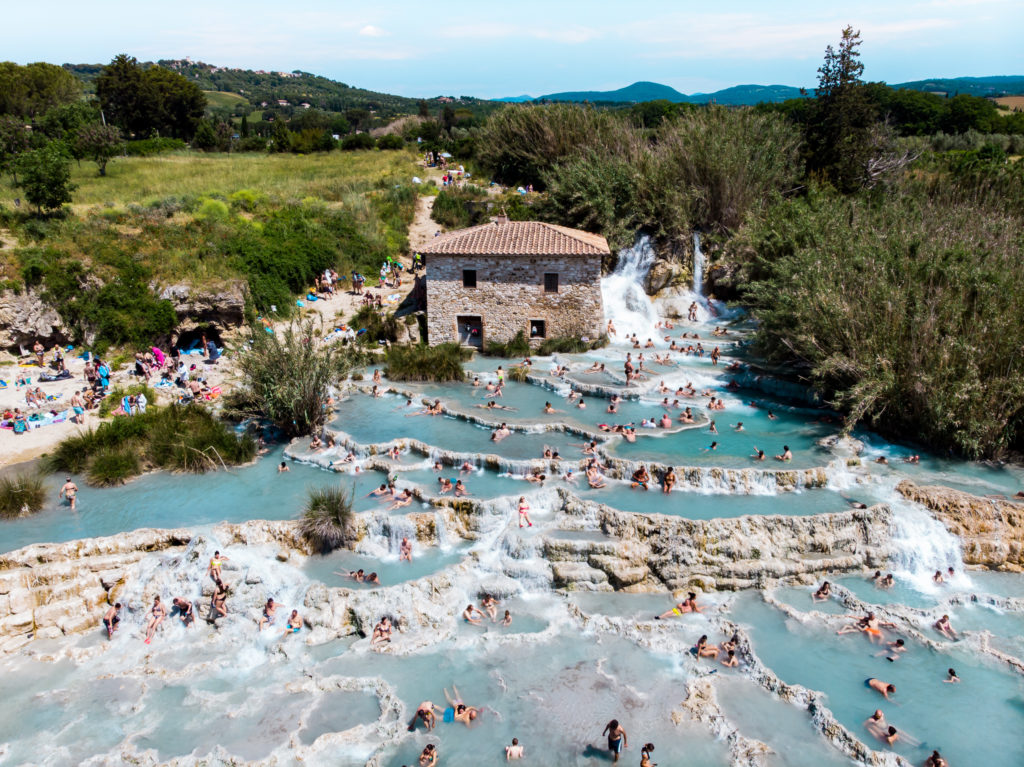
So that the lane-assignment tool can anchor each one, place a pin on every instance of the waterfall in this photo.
(698, 266)
(923, 545)
(626, 303)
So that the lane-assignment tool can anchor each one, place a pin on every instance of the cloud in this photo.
(495, 31)
(371, 31)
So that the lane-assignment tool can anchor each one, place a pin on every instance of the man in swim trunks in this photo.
(185, 610)
(640, 478)
(269, 611)
(405, 551)
(469, 613)
(884, 688)
(69, 490)
(294, 624)
(616, 739)
(425, 713)
(111, 619)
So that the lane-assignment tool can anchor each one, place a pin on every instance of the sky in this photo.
(493, 49)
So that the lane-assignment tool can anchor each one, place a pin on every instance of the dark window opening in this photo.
(538, 329)
(551, 282)
(469, 278)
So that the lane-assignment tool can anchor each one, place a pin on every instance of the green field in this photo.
(224, 99)
(190, 174)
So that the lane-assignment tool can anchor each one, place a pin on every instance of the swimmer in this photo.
(581, 404)
(668, 481)
(704, 650)
(895, 649)
(711, 428)
(444, 485)
(515, 751)
(294, 624)
(111, 619)
(943, 627)
(524, 511)
(394, 452)
(429, 756)
(823, 593)
(569, 477)
(380, 492)
(466, 468)
(269, 612)
(771, 416)
(640, 478)
(425, 713)
(405, 551)
(469, 613)
(951, 677)
(758, 455)
(935, 760)
(463, 713)
(884, 688)
(500, 433)
(460, 489)
(507, 620)
(731, 644)
(738, 427)
(283, 468)
(69, 490)
(402, 499)
(709, 448)
(185, 611)
(730, 660)
(156, 616)
(645, 756)
(617, 739)
(550, 410)
(490, 605)
(876, 724)
(786, 455)
(937, 578)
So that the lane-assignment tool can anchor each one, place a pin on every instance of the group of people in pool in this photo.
(892, 649)
(185, 609)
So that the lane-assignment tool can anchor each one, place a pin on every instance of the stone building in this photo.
(488, 282)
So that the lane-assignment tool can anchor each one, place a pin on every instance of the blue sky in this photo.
(489, 49)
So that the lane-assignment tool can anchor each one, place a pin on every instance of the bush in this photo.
(517, 347)
(153, 146)
(427, 363)
(519, 373)
(358, 141)
(285, 378)
(390, 141)
(113, 399)
(179, 438)
(569, 346)
(21, 494)
(326, 521)
(379, 326)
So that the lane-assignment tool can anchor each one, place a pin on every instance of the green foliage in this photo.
(569, 346)
(358, 141)
(517, 347)
(113, 399)
(153, 146)
(379, 326)
(904, 306)
(285, 378)
(178, 438)
(519, 373)
(46, 176)
(14, 139)
(21, 494)
(458, 208)
(99, 143)
(390, 141)
(427, 363)
(326, 521)
(32, 90)
(204, 139)
(149, 101)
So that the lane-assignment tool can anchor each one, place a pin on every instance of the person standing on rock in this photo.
(111, 619)
(39, 350)
(616, 739)
(69, 490)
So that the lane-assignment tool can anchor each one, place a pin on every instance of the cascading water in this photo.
(626, 304)
(698, 266)
(923, 545)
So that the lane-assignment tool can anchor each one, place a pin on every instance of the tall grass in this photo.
(180, 438)
(21, 494)
(326, 521)
(427, 363)
(517, 346)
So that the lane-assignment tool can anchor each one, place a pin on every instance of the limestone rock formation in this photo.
(991, 530)
(25, 317)
(224, 307)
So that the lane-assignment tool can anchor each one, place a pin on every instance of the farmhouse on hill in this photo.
(489, 282)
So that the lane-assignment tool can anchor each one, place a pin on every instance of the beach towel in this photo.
(300, 303)
(158, 356)
(449, 714)
(311, 297)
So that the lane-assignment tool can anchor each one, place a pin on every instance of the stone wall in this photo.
(509, 293)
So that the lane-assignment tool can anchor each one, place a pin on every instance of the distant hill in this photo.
(515, 99)
(755, 94)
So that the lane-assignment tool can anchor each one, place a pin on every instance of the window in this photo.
(538, 329)
(469, 278)
(551, 282)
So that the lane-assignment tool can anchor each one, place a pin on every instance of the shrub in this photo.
(427, 363)
(326, 522)
(113, 465)
(569, 346)
(21, 494)
(358, 141)
(390, 141)
(285, 378)
(517, 347)
(152, 146)
(519, 373)
(379, 326)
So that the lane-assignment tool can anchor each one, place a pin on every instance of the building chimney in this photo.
(501, 218)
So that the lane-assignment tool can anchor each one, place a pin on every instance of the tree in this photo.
(205, 139)
(839, 130)
(281, 138)
(423, 108)
(98, 142)
(14, 139)
(46, 176)
(32, 90)
(244, 131)
(147, 102)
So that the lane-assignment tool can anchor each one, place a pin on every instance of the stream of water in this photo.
(224, 692)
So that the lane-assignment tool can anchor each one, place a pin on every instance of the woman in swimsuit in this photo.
(823, 593)
(215, 564)
(704, 650)
(157, 614)
(524, 511)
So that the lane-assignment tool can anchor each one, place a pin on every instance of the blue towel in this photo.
(449, 714)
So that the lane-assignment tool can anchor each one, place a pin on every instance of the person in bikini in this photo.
(688, 605)
(216, 561)
(156, 616)
(69, 490)
(524, 511)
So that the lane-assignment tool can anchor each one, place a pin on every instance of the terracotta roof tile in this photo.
(518, 238)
